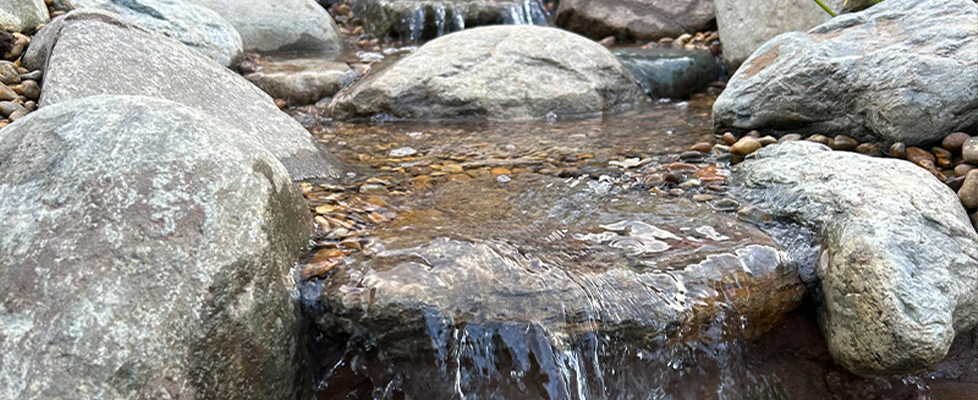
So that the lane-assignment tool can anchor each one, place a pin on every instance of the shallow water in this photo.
(557, 206)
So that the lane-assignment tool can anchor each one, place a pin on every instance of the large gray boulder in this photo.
(747, 26)
(899, 265)
(498, 73)
(301, 81)
(198, 27)
(87, 53)
(22, 15)
(270, 26)
(635, 20)
(146, 251)
(901, 71)
(480, 259)
(413, 20)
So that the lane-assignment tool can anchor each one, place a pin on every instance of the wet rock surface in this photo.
(635, 20)
(301, 81)
(197, 27)
(270, 26)
(483, 255)
(146, 251)
(671, 73)
(496, 73)
(83, 50)
(414, 20)
(899, 271)
(901, 71)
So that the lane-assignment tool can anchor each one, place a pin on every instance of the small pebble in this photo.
(845, 143)
(729, 139)
(791, 137)
(692, 183)
(929, 166)
(281, 104)
(676, 192)
(500, 171)
(654, 180)
(916, 155)
(940, 152)
(754, 134)
(29, 89)
(17, 115)
(33, 76)
(969, 150)
(752, 214)
(945, 163)
(725, 205)
(869, 149)
(969, 190)
(820, 139)
(702, 147)
(767, 140)
(898, 150)
(7, 94)
(692, 156)
(452, 169)
(503, 178)
(962, 169)
(403, 152)
(954, 141)
(745, 146)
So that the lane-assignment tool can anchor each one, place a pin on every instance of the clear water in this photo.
(561, 201)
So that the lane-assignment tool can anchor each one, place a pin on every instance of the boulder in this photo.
(899, 266)
(87, 53)
(414, 20)
(146, 250)
(486, 261)
(497, 73)
(195, 26)
(745, 28)
(271, 26)
(900, 71)
(671, 73)
(635, 20)
(22, 15)
(301, 81)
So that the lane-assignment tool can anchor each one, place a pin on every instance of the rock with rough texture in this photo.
(146, 251)
(899, 265)
(483, 258)
(635, 20)
(22, 15)
(901, 71)
(301, 81)
(497, 73)
(82, 53)
(271, 26)
(414, 20)
(746, 27)
(200, 28)
(671, 73)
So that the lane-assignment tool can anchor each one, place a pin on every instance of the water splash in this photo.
(427, 21)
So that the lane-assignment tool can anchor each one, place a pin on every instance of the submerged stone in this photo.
(301, 81)
(671, 73)
(899, 269)
(556, 261)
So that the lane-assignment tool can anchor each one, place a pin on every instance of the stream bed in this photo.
(593, 258)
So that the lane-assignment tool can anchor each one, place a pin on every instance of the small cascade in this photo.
(429, 20)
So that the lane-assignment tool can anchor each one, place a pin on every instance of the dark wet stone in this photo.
(881, 308)
(671, 73)
(692, 156)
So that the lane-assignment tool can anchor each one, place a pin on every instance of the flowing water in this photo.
(565, 259)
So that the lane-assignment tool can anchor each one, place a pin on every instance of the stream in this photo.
(551, 260)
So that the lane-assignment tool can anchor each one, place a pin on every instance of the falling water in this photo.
(431, 20)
